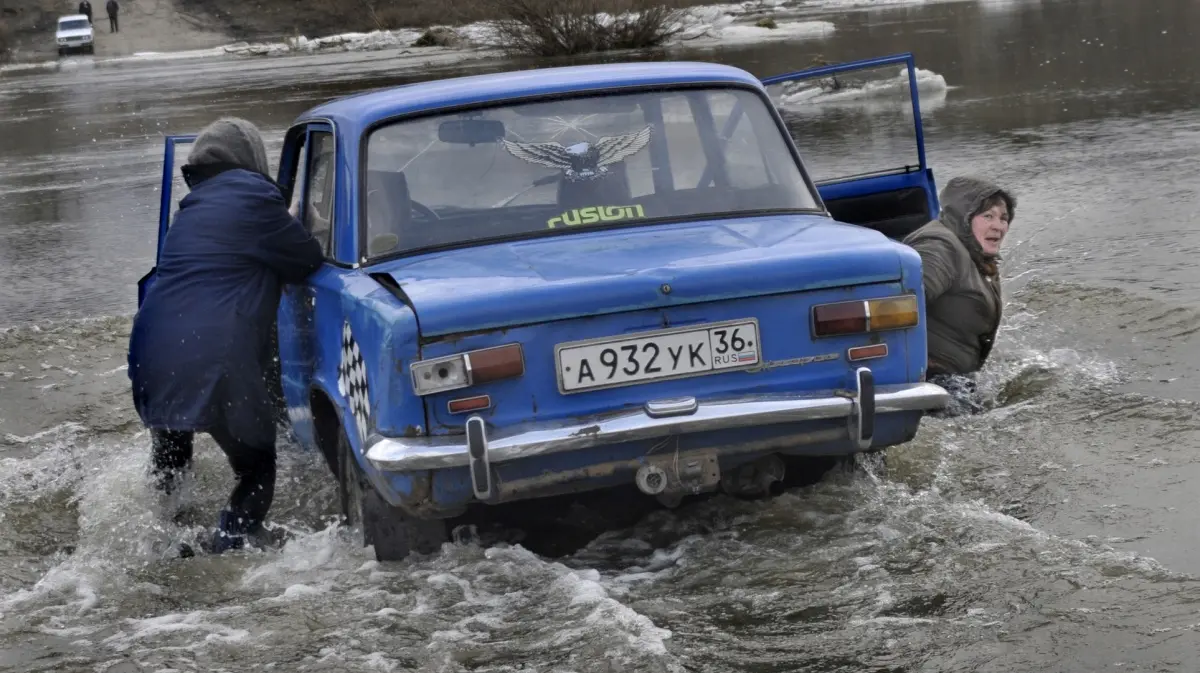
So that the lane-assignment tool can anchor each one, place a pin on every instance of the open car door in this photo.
(858, 128)
(173, 190)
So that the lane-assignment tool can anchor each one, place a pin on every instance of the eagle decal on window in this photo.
(582, 161)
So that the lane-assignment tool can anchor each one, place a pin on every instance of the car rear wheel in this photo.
(394, 532)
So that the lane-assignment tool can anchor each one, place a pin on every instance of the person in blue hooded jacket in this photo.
(201, 342)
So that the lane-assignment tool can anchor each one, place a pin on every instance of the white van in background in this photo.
(75, 32)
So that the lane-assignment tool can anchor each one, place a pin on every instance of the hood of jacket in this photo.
(961, 199)
(230, 141)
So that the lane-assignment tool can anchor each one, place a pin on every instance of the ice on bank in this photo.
(703, 26)
(723, 24)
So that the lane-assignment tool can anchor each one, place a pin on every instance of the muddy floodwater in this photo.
(1056, 532)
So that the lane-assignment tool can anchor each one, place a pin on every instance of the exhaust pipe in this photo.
(754, 479)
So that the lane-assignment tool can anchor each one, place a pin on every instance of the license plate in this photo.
(654, 356)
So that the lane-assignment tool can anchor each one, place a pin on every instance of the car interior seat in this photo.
(389, 210)
(895, 214)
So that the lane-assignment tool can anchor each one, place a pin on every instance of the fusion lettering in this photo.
(594, 214)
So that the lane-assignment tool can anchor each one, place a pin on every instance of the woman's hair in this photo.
(997, 199)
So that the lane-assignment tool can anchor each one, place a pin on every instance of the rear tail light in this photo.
(845, 318)
(467, 369)
(870, 315)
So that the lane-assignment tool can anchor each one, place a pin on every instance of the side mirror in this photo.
(471, 131)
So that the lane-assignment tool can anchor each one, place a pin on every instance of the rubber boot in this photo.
(230, 533)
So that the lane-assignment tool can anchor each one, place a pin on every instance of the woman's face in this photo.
(990, 227)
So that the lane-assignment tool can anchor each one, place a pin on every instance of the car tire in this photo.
(61, 51)
(395, 533)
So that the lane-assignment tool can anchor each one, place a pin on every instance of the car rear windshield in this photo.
(73, 24)
(574, 164)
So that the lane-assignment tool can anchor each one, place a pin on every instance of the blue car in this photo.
(567, 279)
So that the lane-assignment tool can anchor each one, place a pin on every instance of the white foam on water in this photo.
(931, 87)
(183, 55)
(70, 430)
(202, 626)
(69, 589)
(892, 621)
(311, 567)
(120, 519)
(661, 564)
(569, 611)
(378, 661)
(999, 530)
(885, 4)
(77, 63)
(1014, 361)
(29, 67)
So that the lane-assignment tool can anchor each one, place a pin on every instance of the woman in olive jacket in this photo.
(960, 252)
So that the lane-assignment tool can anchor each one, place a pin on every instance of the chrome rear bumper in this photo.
(659, 418)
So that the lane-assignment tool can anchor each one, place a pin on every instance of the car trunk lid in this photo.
(495, 286)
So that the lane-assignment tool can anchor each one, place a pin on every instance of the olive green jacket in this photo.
(962, 289)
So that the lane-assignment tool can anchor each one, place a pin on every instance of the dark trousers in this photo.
(253, 466)
(964, 395)
(112, 25)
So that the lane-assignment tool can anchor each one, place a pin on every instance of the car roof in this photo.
(356, 112)
(73, 17)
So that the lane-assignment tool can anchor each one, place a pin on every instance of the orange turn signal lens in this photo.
(870, 315)
(893, 312)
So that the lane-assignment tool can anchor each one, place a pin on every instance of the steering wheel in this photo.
(423, 209)
(379, 210)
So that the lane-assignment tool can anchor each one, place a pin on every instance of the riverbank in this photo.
(178, 25)
(694, 27)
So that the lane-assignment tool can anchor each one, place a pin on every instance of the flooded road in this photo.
(1053, 533)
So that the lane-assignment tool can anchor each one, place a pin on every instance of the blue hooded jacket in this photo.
(201, 341)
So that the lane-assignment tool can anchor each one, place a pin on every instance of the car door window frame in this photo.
(316, 151)
(295, 175)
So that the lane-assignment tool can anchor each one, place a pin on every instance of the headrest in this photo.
(610, 190)
(392, 182)
(389, 204)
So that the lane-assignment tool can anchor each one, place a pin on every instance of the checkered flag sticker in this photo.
(352, 381)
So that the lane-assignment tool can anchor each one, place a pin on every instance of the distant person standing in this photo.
(113, 9)
(85, 8)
